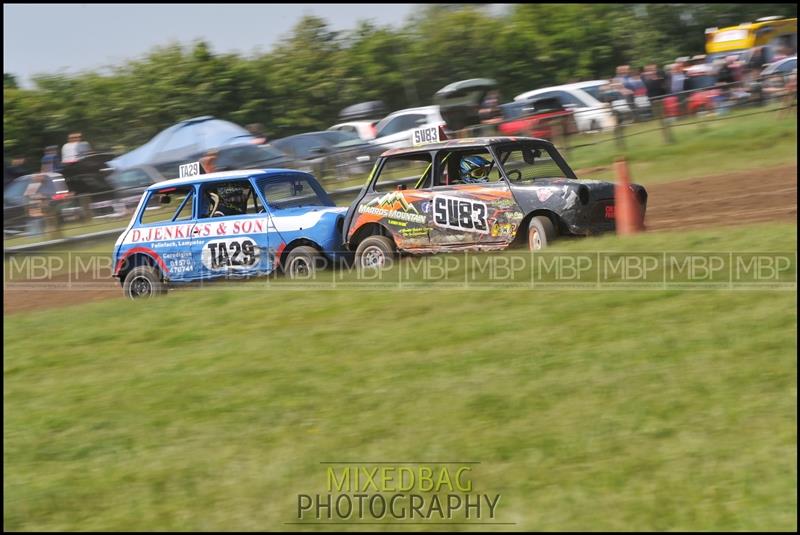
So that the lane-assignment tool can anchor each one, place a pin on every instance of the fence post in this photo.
(619, 130)
(665, 126)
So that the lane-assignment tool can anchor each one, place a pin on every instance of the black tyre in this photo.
(541, 232)
(303, 261)
(375, 252)
(143, 282)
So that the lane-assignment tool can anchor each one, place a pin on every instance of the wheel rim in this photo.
(535, 240)
(140, 287)
(373, 257)
(300, 268)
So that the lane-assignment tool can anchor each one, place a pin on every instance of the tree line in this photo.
(314, 72)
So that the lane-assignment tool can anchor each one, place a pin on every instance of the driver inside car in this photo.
(474, 170)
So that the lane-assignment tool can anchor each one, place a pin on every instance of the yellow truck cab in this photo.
(773, 33)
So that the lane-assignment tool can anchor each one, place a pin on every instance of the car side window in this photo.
(235, 197)
(167, 204)
(392, 127)
(568, 98)
(416, 166)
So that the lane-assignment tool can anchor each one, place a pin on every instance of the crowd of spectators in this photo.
(732, 77)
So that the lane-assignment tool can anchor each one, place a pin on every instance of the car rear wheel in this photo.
(143, 282)
(541, 232)
(302, 262)
(375, 252)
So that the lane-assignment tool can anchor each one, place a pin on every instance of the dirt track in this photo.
(722, 200)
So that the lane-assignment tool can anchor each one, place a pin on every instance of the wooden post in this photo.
(619, 130)
(665, 126)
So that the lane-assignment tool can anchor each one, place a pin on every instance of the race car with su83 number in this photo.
(475, 194)
(231, 224)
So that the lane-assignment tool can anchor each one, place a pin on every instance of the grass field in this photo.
(587, 410)
(740, 141)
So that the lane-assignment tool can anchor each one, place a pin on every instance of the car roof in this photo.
(51, 176)
(567, 87)
(463, 143)
(199, 179)
(353, 123)
(775, 64)
(421, 109)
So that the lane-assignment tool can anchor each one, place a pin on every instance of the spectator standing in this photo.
(75, 148)
(490, 107)
(654, 82)
(678, 84)
(725, 78)
(50, 163)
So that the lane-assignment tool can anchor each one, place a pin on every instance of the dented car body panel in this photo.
(436, 214)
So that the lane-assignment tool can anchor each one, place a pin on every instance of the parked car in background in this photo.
(583, 98)
(329, 154)
(395, 130)
(59, 201)
(540, 118)
(360, 119)
(776, 75)
(87, 178)
(129, 184)
(783, 66)
(250, 156)
(362, 129)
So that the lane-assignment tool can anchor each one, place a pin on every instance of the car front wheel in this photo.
(143, 282)
(375, 252)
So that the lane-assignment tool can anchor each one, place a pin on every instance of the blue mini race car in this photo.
(229, 224)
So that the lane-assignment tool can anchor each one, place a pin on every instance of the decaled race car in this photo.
(475, 194)
(236, 223)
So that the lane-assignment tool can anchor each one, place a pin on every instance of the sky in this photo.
(69, 38)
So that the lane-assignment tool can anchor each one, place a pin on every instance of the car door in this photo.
(398, 209)
(231, 237)
(163, 230)
(471, 202)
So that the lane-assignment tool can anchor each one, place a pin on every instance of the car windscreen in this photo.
(525, 162)
(594, 91)
(293, 191)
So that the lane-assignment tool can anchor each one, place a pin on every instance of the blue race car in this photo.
(229, 224)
